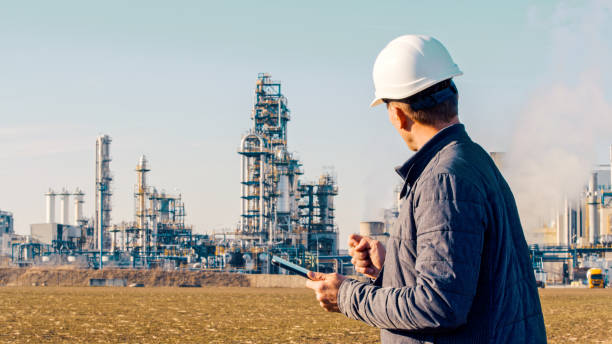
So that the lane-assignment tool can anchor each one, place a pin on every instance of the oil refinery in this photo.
(578, 237)
(281, 213)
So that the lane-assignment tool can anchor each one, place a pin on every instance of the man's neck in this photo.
(423, 133)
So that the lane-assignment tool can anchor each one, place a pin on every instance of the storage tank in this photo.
(566, 224)
(370, 228)
(374, 230)
(78, 206)
(64, 207)
(50, 195)
(592, 210)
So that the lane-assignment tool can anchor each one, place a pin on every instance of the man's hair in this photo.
(439, 113)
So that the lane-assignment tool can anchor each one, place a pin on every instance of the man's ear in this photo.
(401, 118)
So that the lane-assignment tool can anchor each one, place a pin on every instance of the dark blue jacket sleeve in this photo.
(450, 218)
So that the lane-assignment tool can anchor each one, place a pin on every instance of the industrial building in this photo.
(585, 220)
(578, 235)
(157, 235)
(280, 213)
(6, 232)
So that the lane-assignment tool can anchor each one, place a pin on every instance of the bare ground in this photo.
(237, 315)
(577, 315)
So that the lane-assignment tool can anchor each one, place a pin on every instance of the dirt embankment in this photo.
(66, 276)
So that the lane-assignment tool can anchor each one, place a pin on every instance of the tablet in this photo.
(278, 261)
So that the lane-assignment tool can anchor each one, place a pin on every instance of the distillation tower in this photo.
(103, 190)
(269, 172)
(278, 210)
(141, 199)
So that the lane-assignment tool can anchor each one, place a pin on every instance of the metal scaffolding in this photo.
(317, 214)
(269, 172)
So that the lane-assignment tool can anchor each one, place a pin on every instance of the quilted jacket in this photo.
(457, 268)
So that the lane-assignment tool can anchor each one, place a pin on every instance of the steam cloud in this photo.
(563, 124)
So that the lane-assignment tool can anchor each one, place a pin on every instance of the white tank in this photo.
(371, 228)
(566, 224)
(50, 195)
(593, 183)
(592, 203)
(559, 228)
(64, 208)
(374, 230)
(78, 206)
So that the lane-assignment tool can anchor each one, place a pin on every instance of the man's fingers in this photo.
(326, 289)
(365, 270)
(354, 240)
(315, 285)
(312, 284)
(362, 263)
(316, 276)
(361, 255)
(355, 237)
(363, 245)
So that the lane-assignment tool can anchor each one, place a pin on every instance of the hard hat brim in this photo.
(376, 102)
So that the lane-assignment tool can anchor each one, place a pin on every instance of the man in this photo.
(456, 267)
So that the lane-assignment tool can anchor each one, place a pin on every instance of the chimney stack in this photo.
(50, 195)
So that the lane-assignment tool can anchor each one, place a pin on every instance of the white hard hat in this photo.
(410, 64)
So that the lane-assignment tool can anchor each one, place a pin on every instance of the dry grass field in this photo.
(577, 315)
(237, 315)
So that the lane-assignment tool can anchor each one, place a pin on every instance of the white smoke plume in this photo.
(563, 124)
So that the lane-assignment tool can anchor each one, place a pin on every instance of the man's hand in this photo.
(326, 288)
(368, 255)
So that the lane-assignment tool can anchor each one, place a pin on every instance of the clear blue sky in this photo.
(174, 80)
